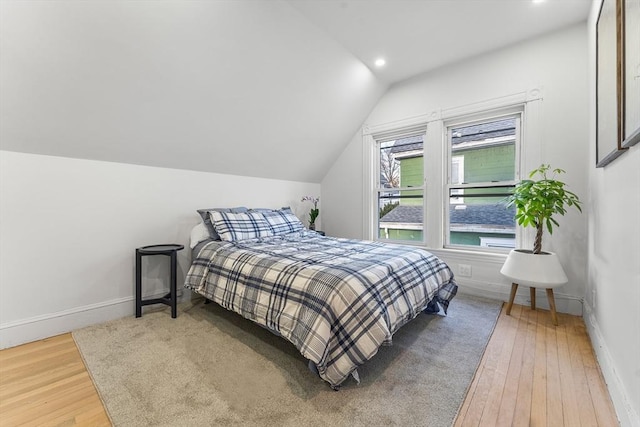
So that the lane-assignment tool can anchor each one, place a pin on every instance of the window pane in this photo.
(402, 162)
(401, 211)
(485, 152)
(401, 216)
(482, 220)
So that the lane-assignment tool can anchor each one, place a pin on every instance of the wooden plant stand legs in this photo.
(552, 306)
(532, 293)
(514, 289)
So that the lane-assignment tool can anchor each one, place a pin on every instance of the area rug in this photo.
(211, 367)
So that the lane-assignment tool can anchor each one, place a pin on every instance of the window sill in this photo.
(457, 254)
(461, 254)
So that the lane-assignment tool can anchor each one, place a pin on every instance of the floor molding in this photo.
(626, 414)
(564, 303)
(48, 325)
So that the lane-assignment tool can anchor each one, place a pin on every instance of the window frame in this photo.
(436, 169)
(379, 189)
(371, 137)
(469, 120)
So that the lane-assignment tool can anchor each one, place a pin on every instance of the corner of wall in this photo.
(624, 410)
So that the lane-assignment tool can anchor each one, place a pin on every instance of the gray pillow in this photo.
(206, 219)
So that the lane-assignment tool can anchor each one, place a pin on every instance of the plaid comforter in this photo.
(336, 300)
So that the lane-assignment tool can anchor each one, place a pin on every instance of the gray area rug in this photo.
(212, 367)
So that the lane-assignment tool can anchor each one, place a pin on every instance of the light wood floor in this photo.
(532, 373)
(537, 374)
(45, 383)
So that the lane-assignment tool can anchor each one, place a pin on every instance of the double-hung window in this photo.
(482, 157)
(400, 188)
(441, 179)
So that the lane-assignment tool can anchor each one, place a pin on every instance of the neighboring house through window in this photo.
(440, 180)
(483, 152)
(457, 177)
(401, 193)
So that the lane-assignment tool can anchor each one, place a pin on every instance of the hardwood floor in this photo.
(537, 374)
(532, 373)
(45, 383)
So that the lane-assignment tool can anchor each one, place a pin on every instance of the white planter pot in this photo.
(540, 270)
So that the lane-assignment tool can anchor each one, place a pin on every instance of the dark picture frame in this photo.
(609, 82)
(631, 72)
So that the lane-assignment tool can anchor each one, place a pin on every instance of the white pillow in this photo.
(199, 233)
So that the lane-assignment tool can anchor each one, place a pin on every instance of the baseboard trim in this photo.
(625, 412)
(48, 325)
(564, 303)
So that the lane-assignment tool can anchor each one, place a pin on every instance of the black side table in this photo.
(170, 299)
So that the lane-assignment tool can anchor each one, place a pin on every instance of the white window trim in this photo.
(434, 144)
(496, 114)
(370, 136)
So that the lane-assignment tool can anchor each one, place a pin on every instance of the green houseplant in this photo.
(537, 201)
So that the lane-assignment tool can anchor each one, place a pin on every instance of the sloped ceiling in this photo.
(273, 89)
(419, 35)
(239, 87)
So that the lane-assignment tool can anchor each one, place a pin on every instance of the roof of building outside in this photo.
(482, 131)
(479, 132)
(410, 143)
(490, 214)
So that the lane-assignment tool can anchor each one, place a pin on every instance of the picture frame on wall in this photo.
(609, 83)
(631, 43)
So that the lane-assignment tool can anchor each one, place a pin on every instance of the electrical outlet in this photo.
(465, 270)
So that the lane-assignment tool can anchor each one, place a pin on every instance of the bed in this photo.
(336, 300)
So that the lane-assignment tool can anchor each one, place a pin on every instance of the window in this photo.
(400, 189)
(439, 179)
(486, 151)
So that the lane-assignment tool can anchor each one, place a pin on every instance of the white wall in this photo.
(69, 229)
(221, 86)
(342, 194)
(556, 63)
(612, 309)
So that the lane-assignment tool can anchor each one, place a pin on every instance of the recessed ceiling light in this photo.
(537, 1)
(380, 62)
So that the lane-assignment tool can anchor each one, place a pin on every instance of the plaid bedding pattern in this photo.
(240, 226)
(283, 221)
(336, 300)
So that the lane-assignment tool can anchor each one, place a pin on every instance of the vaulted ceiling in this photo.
(415, 36)
(274, 89)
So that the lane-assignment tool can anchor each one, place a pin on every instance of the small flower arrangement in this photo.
(314, 212)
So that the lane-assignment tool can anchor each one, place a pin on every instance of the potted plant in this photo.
(536, 202)
(314, 212)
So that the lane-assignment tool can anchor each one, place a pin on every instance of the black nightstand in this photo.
(170, 299)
